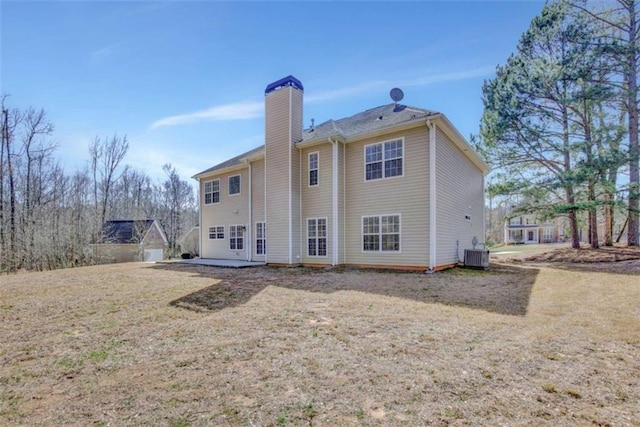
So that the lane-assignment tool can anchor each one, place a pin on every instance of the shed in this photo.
(131, 241)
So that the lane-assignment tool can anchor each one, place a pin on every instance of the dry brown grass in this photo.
(178, 345)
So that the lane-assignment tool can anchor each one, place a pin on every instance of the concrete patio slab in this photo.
(227, 263)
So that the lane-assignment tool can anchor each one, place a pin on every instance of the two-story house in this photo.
(394, 186)
(526, 229)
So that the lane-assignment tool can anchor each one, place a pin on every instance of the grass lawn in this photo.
(179, 345)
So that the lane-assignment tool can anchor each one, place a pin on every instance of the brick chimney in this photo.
(283, 129)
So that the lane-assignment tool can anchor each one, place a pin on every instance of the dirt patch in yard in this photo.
(140, 344)
(507, 293)
(619, 259)
(587, 255)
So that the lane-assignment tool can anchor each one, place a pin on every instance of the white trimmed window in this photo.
(313, 169)
(547, 234)
(317, 236)
(236, 237)
(381, 233)
(234, 185)
(261, 238)
(383, 160)
(216, 232)
(211, 191)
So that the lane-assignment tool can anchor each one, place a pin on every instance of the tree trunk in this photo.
(608, 220)
(634, 149)
(573, 220)
(593, 218)
(5, 136)
(11, 256)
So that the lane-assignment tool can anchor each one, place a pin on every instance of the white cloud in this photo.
(448, 77)
(252, 110)
(421, 81)
(105, 52)
(237, 111)
(344, 92)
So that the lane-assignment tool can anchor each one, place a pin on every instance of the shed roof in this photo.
(125, 231)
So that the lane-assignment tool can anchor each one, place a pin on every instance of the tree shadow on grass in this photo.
(502, 290)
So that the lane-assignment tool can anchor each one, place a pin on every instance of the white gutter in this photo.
(432, 195)
(334, 169)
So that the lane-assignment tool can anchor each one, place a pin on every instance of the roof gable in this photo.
(125, 231)
(372, 120)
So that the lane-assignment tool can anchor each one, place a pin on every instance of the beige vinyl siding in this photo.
(406, 195)
(257, 203)
(317, 200)
(283, 182)
(459, 192)
(232, 210)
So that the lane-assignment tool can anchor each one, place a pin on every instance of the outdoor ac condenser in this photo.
(476, 258)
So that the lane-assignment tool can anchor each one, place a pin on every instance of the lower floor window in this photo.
(216, 232)
(381, 233)
(261, 238)
(516, 235)
(317, 236)
(236, 237)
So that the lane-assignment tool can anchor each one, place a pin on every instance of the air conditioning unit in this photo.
(476, 258)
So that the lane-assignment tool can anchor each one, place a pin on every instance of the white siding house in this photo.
(393, 186)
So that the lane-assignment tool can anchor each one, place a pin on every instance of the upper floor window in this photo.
(313, 169)
(381, 233)
(211, 191)
(383, 160)
(234, 184)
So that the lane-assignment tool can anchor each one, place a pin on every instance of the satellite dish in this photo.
(396, 94)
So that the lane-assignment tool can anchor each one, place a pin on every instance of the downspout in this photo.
(200, 227)
(301, 221)
(250, 227)
(264, 204)
(344, 201)
(289, 149)
(334, 201)
(432, 195)
(484, 213)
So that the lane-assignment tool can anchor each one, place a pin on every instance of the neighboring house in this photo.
(394, 186)
(527, 229)
(129, 241)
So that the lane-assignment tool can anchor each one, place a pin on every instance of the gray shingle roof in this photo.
(365, 122)
(234, 161)
(125, 231)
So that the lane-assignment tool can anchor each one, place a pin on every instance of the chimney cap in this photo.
(285, 81)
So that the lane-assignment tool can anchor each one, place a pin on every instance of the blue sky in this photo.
(185, 80)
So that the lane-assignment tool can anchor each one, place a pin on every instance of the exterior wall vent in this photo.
(476, 258)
